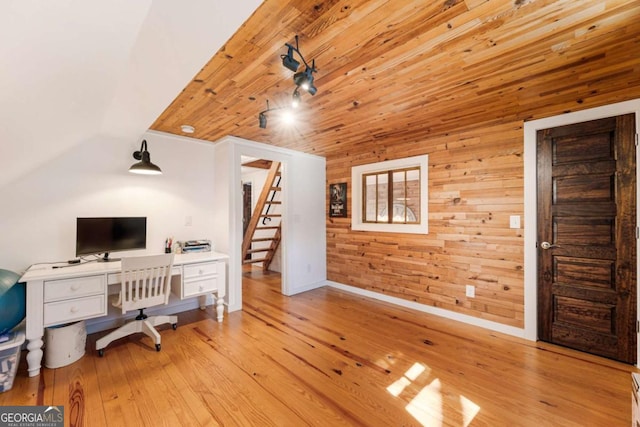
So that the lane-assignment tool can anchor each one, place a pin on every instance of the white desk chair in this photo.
(146, 282)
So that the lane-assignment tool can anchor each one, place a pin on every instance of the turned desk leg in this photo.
(35, 325)
(34, 357)
(220, 308)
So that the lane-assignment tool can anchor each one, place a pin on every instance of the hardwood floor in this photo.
(329, 358)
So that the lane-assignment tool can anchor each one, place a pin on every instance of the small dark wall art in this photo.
(338, 200)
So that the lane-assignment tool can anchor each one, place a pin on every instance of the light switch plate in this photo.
(471, 291)
(514, 221)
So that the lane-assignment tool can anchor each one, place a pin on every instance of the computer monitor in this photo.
(110, 234)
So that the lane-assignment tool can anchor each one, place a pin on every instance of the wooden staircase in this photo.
(265, 224)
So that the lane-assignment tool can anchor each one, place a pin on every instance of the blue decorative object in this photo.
(13, 300)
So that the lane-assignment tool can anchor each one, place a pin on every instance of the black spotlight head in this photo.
(262, 118)
(305, 80)
(301, 79)
(289, 61)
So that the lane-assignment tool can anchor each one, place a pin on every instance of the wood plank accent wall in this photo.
(475, 184)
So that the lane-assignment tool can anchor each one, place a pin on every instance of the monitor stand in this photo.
(106, 258)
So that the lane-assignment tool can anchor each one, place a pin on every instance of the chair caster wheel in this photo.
(101, 352)
(174, 326)
(157, 347)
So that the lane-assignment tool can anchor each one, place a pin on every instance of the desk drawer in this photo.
(200, 286)
(74, 309)
(203, 269)
(73, 288)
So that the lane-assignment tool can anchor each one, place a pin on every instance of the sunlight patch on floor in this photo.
(414, 372)
(469, 410)
(427, 405)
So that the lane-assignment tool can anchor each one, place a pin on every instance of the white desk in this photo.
(59, 293)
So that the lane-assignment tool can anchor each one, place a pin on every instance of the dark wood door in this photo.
(587, 237)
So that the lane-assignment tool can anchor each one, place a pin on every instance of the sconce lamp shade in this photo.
(144, 166)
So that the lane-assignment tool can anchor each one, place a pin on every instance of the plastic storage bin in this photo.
(64, 344)
(9, 359)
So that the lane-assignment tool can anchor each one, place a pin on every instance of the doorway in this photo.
(586, 189)
(262, 209)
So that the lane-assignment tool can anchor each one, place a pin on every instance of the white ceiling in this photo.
(76, 70)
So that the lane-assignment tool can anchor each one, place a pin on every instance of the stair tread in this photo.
(251, 261)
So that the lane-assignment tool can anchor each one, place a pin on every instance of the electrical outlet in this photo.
(471, 291)
(514, 221)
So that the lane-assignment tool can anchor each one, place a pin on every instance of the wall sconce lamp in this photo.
(144, 166)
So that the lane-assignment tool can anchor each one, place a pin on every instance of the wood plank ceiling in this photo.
(392, 70)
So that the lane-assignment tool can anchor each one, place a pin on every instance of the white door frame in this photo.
(530, 202)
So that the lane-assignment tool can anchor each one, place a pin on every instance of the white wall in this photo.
(39, 208)
(305, 240)
(76, 69)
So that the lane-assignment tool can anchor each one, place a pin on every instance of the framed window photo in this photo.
(338, 200)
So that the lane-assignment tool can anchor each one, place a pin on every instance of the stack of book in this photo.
(196, 246)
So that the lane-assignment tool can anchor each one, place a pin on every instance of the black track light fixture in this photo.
(144, 166)
(303, 79)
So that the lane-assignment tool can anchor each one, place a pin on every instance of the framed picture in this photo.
(338, 200)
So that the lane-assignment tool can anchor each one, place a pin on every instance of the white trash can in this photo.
(64, 344)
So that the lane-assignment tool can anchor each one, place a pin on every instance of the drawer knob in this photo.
(201, 287)
(73, 309)
(75, 287)
(201, 271)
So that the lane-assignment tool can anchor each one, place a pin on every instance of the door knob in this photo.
(547, 245)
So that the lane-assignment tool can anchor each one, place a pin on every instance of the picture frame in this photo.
(338, 200)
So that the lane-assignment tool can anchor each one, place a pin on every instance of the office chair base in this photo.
(146, 326)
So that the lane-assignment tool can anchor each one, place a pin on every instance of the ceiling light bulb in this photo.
(187, 129)
(287, 117)
(296, 99)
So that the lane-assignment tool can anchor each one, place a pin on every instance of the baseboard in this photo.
(470, 320)
(306, 288)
